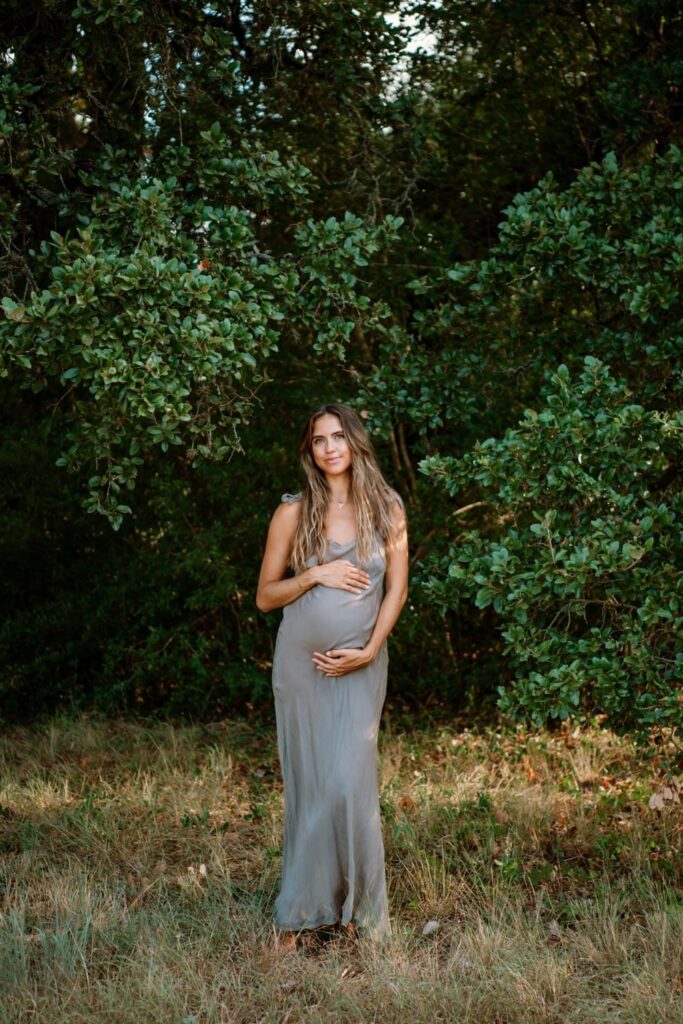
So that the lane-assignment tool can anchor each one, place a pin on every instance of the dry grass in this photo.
(139, 866)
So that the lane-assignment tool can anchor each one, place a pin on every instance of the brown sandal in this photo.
(285, 942)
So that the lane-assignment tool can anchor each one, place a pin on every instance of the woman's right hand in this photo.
(342, 575)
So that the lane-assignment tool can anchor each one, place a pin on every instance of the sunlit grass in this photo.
(139, 865)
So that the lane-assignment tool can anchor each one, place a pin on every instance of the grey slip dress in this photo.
(327, 727)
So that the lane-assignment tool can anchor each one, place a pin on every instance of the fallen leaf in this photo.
(407, 803)
(671, 791)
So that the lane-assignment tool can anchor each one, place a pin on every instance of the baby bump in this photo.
(327, 617)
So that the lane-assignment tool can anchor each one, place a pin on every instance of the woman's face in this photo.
(329, 447)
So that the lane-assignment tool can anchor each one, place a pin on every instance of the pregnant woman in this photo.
(344, 538)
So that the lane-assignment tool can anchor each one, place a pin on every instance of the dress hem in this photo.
(326, 922)
(320, 923)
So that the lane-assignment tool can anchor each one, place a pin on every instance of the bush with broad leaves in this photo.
(579, 553)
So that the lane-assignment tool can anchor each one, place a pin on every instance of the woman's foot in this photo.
(349, 931)
(285, 942)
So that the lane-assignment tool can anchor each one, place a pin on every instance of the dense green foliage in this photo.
(581, 559)
(161, 310)
(212, 220)
(580, 548)
(592, 269)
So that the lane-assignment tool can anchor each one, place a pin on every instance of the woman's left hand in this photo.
(340, 661)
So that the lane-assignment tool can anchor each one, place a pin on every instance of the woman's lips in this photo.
(334, 459)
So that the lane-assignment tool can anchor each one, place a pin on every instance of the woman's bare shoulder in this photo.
(288, 511)
(395, 499)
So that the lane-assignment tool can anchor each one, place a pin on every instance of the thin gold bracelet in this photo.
(302, 589)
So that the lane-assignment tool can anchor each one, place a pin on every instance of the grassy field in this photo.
(139, 865)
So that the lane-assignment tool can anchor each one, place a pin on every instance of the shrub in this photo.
(580, 551)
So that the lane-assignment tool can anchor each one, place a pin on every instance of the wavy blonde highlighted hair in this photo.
(373, 498)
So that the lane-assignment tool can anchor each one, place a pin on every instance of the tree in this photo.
(151, 308)
(201, 238)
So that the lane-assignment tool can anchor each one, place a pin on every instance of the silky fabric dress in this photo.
(327, 727)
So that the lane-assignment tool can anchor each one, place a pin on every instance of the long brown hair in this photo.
(373, 498)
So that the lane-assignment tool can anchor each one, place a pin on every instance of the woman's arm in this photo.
(395, 584)
(274, 591)
(340, 662)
